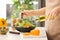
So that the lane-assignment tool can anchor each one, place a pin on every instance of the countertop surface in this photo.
(10, 36)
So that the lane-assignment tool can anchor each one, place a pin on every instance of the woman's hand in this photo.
(26, 13)
(54, 14)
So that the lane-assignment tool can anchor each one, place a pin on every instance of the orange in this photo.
(26, 34)
(3, 22)
(35, 32)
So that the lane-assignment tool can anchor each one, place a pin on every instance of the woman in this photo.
(52, 12)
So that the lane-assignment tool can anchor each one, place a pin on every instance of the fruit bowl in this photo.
(3, 31)
(21, 29)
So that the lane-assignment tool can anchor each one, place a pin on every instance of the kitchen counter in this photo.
(10, 36)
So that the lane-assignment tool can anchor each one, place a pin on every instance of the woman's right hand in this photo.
(26, 13)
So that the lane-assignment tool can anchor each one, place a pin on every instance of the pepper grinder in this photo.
(21, 15)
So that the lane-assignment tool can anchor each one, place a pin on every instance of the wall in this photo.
(3, 7)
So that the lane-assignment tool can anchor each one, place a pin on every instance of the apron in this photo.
(52, 23)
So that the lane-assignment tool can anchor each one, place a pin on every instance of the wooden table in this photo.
(10, 36)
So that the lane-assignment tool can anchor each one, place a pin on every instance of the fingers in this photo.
(54, 14)
(25, 13)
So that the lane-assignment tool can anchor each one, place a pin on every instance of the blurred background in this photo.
(13, 11)
(12, 8)
(37, 4)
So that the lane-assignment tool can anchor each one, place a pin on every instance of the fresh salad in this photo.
(25, 23)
